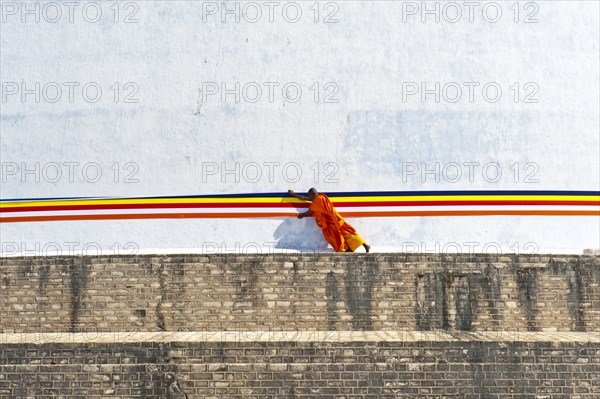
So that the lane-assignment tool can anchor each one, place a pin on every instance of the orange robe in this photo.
(339, 234)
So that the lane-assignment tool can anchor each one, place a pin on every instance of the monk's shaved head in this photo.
(312, 193)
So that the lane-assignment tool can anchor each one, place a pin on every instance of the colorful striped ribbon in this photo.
(280, 205)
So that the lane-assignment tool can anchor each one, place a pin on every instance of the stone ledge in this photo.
(298, 336)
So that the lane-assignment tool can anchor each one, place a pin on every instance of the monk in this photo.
(338, 233)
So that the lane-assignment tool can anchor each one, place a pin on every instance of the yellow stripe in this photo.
(293, 200)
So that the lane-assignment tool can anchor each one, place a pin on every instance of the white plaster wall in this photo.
(368, 137)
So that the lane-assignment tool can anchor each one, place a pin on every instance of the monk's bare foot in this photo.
(348, 250)
(367, 247)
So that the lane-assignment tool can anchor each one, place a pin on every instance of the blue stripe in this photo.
(339, 194)
(386, 193)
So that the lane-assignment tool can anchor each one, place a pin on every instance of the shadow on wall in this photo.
(301, 235)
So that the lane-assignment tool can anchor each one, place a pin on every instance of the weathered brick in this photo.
(438, 293)
(474, 292)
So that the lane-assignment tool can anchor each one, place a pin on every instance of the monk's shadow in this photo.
(301, 235)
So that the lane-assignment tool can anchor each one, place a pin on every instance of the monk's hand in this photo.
(291, 192)
(300, 215)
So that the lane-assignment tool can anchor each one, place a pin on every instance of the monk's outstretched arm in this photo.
(300, 197)
(307, 213)
(303, 198)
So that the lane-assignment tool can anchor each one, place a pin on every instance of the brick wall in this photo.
(415, 370)
(322, 292)
(408, 326)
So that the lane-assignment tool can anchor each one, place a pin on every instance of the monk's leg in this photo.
(335, 239)
(353, 241)
(367, 247)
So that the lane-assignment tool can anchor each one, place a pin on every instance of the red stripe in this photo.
(288, 205)
(285, 215)
(151, 206)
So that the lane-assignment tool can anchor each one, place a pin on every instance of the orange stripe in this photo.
(284, 215)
